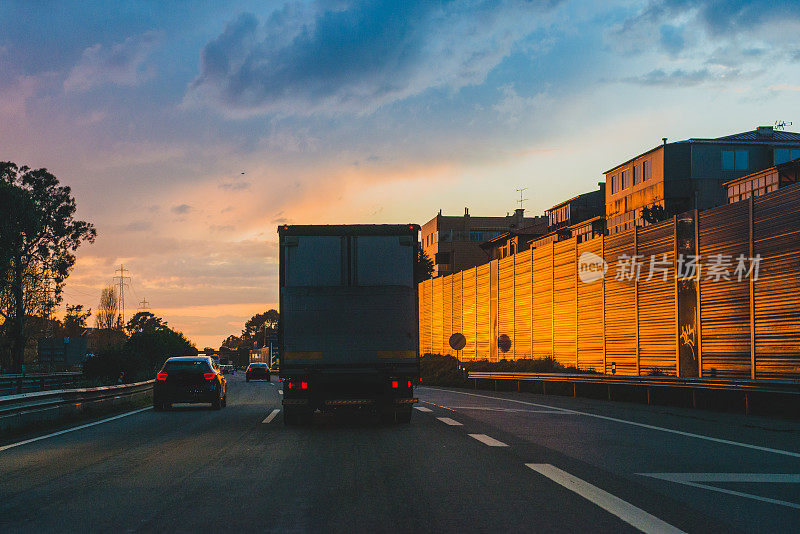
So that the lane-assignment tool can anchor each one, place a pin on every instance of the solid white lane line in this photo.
(511, 410)
(423, 409)
(87, 425)
(695, 479)
(634, 423)
(271, 416)
(636, 517)
(448, 421)
(483, 438)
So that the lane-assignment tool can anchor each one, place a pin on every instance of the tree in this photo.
(258, 326)
(423, 267)
(108, 311)
(145, 322)
(38, 239)
(232, 342)
(150, 343)
(75, 320)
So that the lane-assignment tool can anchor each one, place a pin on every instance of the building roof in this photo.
(587, 221)
(527, 231)
(762, 135)
(765, 134)
(576, 197)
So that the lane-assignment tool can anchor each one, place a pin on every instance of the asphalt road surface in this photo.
(470, 461)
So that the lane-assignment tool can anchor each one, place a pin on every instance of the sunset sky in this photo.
(188, 132)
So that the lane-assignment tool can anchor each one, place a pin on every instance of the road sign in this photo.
(504, 343)
(458, 341)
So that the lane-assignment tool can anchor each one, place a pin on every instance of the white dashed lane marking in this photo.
(423, 409)
(448, 421)
(487, 440)
(280, 392)
(633, 423)
(636, 517)
(271, 416)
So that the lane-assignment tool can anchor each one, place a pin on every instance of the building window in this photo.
(626, 179)
(614, 184)
(637, 175)
(782, 155)
(646, 170)
(475, 236)
(735, 160)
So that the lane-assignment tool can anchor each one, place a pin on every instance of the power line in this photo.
(122, 270)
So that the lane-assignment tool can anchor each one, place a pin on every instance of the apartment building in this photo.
(453, 241)
(679, 176)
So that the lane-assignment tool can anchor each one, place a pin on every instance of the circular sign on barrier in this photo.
(504, 343)
(458, 341)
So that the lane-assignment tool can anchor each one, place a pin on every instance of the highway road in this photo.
(470, 461)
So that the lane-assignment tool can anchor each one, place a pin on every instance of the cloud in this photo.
(693, 28)
(235, 186)
(513, 107)
(138, 226)
(15, 96)
(118, 64)
(182, 209)
(676, 78)
(360, 55)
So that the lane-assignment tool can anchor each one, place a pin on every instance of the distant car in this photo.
(189, 379)
(257, 370)
(227, 368)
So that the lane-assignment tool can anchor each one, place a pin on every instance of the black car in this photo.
(257, 370)
(189, 379)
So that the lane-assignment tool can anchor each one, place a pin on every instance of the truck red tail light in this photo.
(161, 376)
(303, 385)
(395, 384)
(209, 376)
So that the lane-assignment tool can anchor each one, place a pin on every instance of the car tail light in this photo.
(161, 376)
(395, 384)
(303, 385)
(289, 384)
(209, 376)
(409, 383)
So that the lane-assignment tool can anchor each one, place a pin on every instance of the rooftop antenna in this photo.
(521, 200)
(781, 125)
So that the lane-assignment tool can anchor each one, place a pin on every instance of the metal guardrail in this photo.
(12, 384)
(20, 409)
(791, 387)
(744, 386)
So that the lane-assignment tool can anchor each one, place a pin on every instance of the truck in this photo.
(348, 331)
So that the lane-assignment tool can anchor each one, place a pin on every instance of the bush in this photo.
(443, 370)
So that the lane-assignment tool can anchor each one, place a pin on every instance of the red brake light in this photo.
(303, 385)
(161, 376)
(289, 384)
(409, 383)
(209, 376)
(395, 384)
